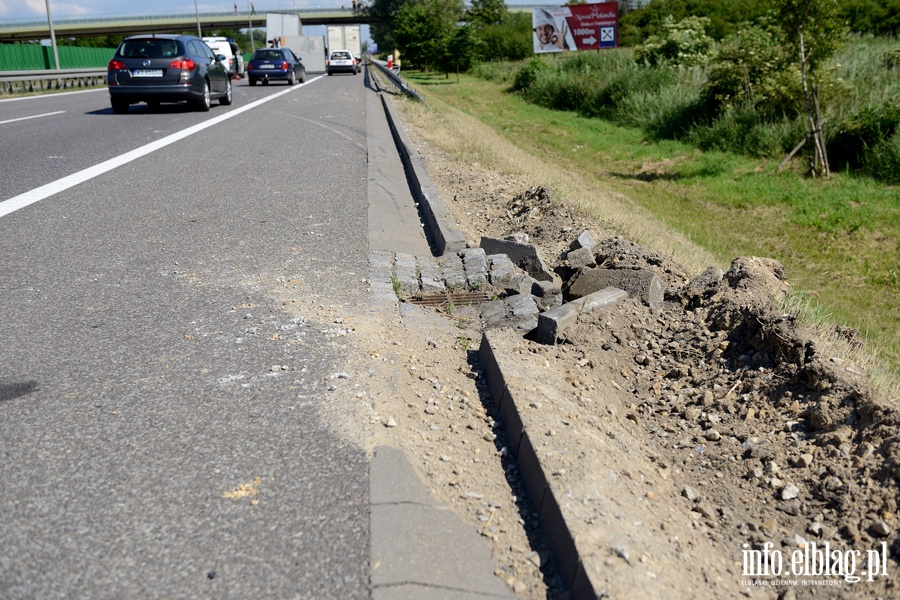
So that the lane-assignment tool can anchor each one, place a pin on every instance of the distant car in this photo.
(232, 52)
(271, 64)
(341, 61)
(166, 68)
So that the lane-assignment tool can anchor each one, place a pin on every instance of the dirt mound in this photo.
(790, 446)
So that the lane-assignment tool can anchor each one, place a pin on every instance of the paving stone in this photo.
(380, 273)
(502, 270)
(585, 239)
(383, 258)
(475, 263)
(430, 275)
(524, 312)
(547, 295)
(406, 273)
(493, 314)
(582, 257)
(520, 284)
(453, 272)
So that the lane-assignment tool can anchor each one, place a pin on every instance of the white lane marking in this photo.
(54, 187)
(54, 95)
(59, 112)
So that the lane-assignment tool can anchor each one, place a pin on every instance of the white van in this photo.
(232, 52)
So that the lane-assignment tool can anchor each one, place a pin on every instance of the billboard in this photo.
(575, 27)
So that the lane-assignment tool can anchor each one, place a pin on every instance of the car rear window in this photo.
(268, 55)
(340, 55)
(149, 48)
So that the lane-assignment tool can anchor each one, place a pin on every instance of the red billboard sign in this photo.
(576, 27)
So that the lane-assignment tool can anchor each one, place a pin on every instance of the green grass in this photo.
(838, 239)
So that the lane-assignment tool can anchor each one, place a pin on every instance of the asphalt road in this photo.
(165, 428)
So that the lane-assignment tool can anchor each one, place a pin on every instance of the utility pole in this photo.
(250, 21)
(196, 12)
(53, 36)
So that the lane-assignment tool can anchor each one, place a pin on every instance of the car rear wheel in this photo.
(204, 102)
(120, 107)
(252, 82)
(292, 80)
(228, 98)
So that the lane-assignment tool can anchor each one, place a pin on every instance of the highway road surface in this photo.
(165, 425)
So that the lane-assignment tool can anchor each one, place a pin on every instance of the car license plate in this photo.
(147, 73)
(267, 66)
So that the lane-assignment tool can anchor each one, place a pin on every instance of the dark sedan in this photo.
(271, 64)
(166, 68)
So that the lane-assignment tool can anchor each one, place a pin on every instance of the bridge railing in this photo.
(44, 80)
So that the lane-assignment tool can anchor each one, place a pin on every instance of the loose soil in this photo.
(683, 436)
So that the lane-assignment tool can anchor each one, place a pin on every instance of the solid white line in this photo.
(59, 112)
(54, 95)
(45, 191)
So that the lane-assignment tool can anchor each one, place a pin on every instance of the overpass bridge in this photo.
(11, 31)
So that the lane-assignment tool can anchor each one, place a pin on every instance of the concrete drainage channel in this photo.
(513, 289)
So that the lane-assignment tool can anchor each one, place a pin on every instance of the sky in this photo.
(31, 10)
(26, 11)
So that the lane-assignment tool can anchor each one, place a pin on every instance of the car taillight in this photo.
(185, 64)
(250, 66)
(115, 65)
(285, 66)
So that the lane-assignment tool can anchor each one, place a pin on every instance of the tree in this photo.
(816, 24)
(509, 40)
(487, 12)
(813, 31)
(680, 44)
(385, 14)
(423, 30)
(463, 50)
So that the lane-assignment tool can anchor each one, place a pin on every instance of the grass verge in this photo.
(838, 239)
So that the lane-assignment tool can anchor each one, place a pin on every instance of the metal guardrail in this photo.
(394, 78)
(44, 80)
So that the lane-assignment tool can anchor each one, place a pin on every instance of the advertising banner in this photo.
(575, 27)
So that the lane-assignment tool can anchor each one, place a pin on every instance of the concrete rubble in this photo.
(524, 293)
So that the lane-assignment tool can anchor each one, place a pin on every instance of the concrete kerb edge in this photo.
(574, 576)
(447, 238)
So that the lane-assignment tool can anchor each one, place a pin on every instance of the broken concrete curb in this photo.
(555, 321)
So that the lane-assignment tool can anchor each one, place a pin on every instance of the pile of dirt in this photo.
(755, 434)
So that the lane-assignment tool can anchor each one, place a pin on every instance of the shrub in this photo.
(851, 140)
(750, 71)
(527, 76)
(883, 162)
(681, 44)
(743, 130)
